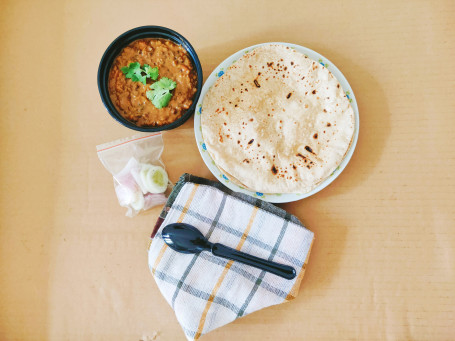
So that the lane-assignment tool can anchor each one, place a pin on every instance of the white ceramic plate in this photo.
(284, 197)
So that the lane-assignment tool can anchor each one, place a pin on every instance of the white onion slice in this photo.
(139, 203)
(125, 195)
(154, 199)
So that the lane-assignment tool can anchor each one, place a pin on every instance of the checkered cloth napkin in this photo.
(207, 292)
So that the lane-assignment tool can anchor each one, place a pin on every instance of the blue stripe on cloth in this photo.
(261, 276)
(238, 268)
(193, 260)
(196, 292)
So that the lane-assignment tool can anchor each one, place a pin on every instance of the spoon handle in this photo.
(281, 270)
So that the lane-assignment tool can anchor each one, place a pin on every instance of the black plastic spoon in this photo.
(186, 238)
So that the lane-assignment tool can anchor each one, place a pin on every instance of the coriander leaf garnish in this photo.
(159, 98)
(134, 72)
(151, 72)
(166, 83)
(160, 94)
(131, 69)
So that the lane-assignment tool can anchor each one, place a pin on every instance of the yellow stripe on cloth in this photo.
(223, 275)
(179, 220)
(295, 288)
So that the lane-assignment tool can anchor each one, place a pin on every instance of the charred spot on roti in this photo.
(328, 124)
(270, 64)
(257, 83)
(236, 105)
(251, 120)
(302, 156)
(324, 110)
(289, 95)
(246, 160)
(308, 149)
(274, 170)
(315, 136)
(293, 166)
(314, 92)
(251, 141)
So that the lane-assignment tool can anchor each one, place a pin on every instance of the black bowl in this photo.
(116, 47)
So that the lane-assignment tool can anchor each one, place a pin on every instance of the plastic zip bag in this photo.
(140, 180)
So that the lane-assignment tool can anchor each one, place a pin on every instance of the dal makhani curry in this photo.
(152, 82)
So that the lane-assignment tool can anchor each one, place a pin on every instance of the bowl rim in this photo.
(112, 52)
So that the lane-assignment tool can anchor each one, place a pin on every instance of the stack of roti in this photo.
(277, 121)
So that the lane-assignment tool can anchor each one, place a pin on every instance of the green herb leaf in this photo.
(160, 94)
(134, 72)
(139, 78)
(151, 72)
(167, 83)
(159, 99)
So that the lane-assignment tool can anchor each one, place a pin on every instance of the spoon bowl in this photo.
(185, 238)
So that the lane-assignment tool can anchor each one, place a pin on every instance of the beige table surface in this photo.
(73, 267)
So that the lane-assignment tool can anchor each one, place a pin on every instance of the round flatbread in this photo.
(277, 121)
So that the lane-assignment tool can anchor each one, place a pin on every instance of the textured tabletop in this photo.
(382, 267)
